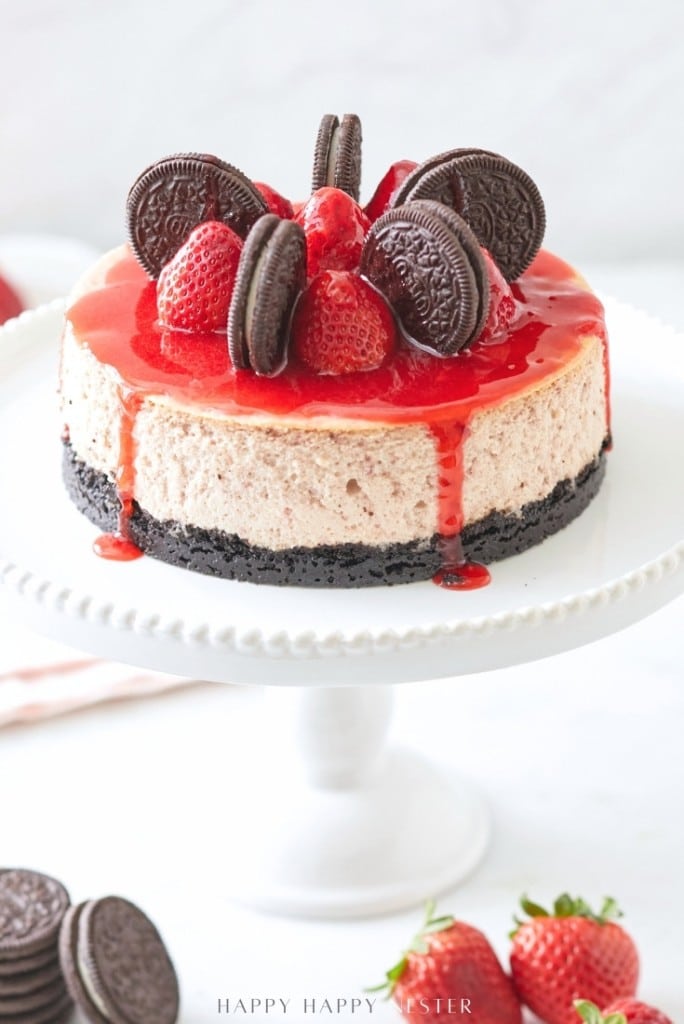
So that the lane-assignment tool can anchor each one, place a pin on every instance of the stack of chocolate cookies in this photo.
(104, 955)
(32, 987)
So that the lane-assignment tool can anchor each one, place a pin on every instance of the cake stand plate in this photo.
(353, 838)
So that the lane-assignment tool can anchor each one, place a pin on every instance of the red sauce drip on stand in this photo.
(456, 572)
(118, 321)
(118, 547)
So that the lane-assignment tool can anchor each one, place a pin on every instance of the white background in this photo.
(580, 756)
(587, 96)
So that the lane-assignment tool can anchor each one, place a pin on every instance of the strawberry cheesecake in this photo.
(330, 395)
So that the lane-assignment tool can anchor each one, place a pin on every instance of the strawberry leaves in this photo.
(590, 1013)
(431, 925)
(567, 906)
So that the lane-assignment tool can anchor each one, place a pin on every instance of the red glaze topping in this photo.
(119, 321)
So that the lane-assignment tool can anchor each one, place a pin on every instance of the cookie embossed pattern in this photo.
(404, 392)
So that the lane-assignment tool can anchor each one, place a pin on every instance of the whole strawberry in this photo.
(10, 303)
(380, 202)
(502, 305)
(335, 227)
(276, 203)
(451, 972)
(194, 288)
(572, 954)
(341, 325)
(623, 1011)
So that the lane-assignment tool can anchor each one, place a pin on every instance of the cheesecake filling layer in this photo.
(215, 553)
(282, 483)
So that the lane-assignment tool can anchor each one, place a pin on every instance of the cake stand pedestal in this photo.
(338, 823)
(347, 825)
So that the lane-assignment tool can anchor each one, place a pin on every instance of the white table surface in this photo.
(580, 757)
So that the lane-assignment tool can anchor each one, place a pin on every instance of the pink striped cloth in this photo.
(40, 679)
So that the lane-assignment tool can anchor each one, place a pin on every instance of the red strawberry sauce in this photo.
(555, 312)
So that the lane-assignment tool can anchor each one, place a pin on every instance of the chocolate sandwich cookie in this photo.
(26, 964)
(32, 907)
(417, 174)
(58, 1012)
(499, 201)
(337, 156)
(54, 994)
(174, 195)
(28, 982)
(270, 276)
(429, 266)
(116, 966)
(68, 958)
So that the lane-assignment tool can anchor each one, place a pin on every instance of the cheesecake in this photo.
(430, 463)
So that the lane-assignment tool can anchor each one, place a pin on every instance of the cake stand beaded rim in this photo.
(310, 644)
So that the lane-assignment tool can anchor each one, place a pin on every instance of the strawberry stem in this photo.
(419, 945)
(590, 1013)
(568, 906)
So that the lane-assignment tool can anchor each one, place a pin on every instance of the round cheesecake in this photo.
(377, 477)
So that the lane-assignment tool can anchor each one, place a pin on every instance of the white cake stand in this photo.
(346, 825)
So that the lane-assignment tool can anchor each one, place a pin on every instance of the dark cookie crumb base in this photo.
(215, 553)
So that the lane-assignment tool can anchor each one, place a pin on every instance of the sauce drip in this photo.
(463, 576)
(556, 314)
(116, 548)
(456, 572)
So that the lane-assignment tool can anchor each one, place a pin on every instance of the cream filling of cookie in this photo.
(250, 305)
(332, 158)
(84, 972)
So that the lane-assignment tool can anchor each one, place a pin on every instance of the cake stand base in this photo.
(344, 826)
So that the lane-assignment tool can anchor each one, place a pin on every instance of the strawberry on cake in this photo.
(11, 304)
(322, 394)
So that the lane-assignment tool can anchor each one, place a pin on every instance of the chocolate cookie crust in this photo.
(214, 553)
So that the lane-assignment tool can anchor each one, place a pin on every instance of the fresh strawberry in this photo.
(194, 288)
(341, 325)
(10, 303)
(335, 227)
(502, 305)
(298, 205)
(276, 203)
(623, 1011)
(451, 972)
(572, 954)
(380, 203)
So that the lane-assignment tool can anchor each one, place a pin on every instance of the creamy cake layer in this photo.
(289, 482)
